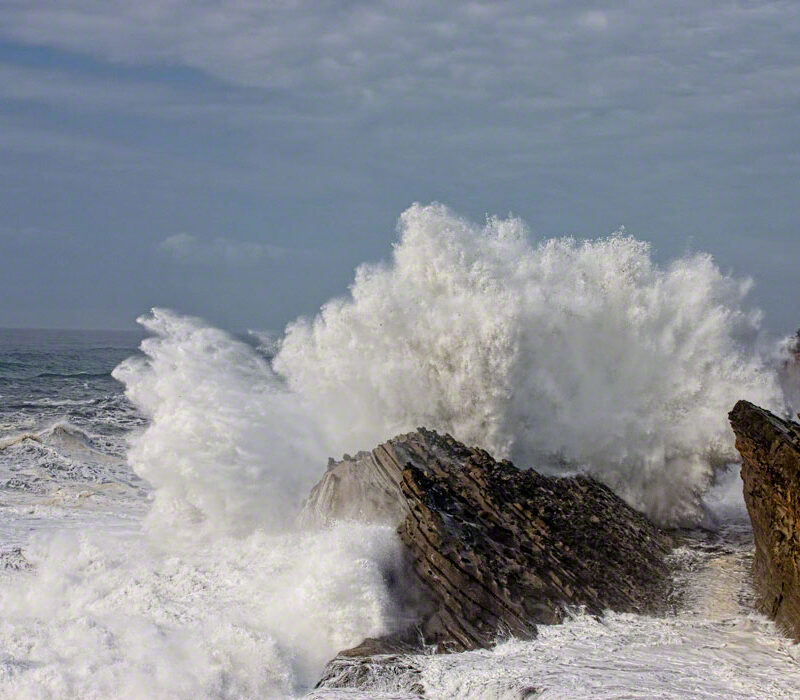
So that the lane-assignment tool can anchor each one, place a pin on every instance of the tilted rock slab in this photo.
(770, 449)
(493, 550)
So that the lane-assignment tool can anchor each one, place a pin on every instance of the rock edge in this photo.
(770, 450)
(491, 550)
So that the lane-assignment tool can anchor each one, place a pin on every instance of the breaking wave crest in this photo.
(227, 448)
(564, 354)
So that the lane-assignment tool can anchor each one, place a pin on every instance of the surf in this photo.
(563, 354)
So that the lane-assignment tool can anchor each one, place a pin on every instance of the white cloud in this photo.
(364, 54)
(323, 89)
(320, 92)
(191, 250)
(595, 20)
(543, 76)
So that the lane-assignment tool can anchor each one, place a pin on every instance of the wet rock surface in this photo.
(770, 449)
(492, 550)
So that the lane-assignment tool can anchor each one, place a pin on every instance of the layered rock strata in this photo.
(493, 550)
(770, 449)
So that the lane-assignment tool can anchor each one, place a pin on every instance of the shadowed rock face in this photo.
(493, 550)
(770, 449)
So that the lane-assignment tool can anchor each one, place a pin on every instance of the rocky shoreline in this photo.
(490, 550)
(770, 449)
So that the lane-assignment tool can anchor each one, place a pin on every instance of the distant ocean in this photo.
(148, 489)
(63, 426)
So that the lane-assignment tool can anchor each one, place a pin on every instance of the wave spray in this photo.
(562, 355)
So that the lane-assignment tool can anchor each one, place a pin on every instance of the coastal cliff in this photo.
(770, 449)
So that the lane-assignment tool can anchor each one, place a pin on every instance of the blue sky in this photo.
(236, 159)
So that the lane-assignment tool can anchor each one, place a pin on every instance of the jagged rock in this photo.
(492, 550)
(365, 489)
(398, 673)
(770, 449)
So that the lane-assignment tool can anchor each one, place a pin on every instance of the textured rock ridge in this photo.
(493, 550)
(770, 449)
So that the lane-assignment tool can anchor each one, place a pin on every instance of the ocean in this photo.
(149, 481)
(64, 422)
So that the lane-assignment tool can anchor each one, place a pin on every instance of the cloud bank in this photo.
(312, 124)
(541, 55)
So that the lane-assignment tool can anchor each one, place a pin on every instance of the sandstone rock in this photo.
(770, 449)
(492, 550)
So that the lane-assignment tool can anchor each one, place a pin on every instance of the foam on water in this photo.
(562, 354)
(62, 477)
(627, 656)
(203, 601)
(115, 616)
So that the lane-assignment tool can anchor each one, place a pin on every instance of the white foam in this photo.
(205, 602)
(627, 656)
(108, 616)
(227, 448)
(586, 349)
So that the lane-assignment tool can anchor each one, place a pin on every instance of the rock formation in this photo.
(492, 550)
(770, 449)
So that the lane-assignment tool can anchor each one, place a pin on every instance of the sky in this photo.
(237, 159)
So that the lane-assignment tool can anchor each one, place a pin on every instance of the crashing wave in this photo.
(579, 352)
(576, 354)
(562, 354)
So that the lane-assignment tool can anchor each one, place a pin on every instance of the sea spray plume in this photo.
(227, 448)
(787, 360)
(586, 350)
(242, 612)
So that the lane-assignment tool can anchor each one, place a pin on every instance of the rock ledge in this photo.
(492, 550)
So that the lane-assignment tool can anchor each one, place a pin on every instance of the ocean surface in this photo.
(64, 422)
(149, 481)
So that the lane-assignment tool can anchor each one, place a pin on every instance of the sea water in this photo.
(148, 486)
